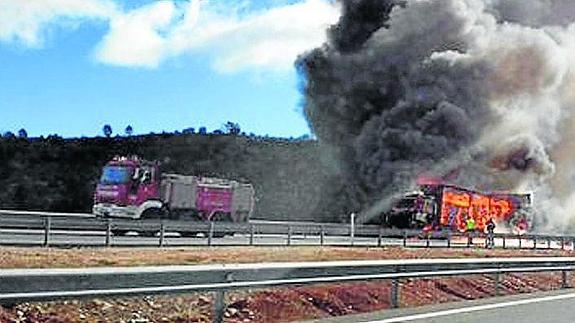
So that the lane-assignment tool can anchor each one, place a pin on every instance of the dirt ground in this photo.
(98, 257)
(270, 305)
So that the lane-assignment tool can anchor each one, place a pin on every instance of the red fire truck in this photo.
(133, 188)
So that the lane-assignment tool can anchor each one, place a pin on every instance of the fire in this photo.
(457, 206)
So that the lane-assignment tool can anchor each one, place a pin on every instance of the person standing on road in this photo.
(470, 226)
(490, 234)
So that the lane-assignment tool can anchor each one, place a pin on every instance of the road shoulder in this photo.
(403, 312)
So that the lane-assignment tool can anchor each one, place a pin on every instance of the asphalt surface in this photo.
(36, 237)
(525, 308)
(98, 238)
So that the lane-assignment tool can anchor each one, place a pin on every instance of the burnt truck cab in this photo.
(413, 211)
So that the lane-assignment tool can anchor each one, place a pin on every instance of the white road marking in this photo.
(473, 309)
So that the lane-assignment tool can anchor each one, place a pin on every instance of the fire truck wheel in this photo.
(189, 234)
(154, 213)
(220, 217)
(119, 232)
(147, 233)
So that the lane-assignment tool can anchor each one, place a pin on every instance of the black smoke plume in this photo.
(474, 88)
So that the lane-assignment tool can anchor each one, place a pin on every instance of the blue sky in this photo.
(71, 66)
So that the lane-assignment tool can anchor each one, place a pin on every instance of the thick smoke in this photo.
(478, 92)
(535, 13)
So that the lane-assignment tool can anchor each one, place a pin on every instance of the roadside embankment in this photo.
(270, 305)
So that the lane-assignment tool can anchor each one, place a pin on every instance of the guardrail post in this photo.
(564, 279)
(497, 283)
(504, 244)
(534, 242)
(519, 239)
(162, 234)
(404, 238)
(321, 235)
(394, 301)
(108, 233)
(352, 228)
(251, 234)
(289, 235)
(379, 236)
(219, 306)
(211, 233)
(449, 239)
(548, 243)
(562, 243)
(47, 224)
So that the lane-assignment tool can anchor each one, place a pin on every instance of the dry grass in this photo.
(66, 258)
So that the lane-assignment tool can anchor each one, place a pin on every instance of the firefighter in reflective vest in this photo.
(470, 225)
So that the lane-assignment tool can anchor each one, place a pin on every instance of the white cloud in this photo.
(272, 39)
(24, 21)
(235, 37)
(269, 39)
(135, 37)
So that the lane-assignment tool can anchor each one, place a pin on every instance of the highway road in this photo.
(36, 237)
(556, 307)
(98, 238)
(27, 228)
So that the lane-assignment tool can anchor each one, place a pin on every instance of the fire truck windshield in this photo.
(115, 175)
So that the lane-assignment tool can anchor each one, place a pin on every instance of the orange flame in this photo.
(458, 206)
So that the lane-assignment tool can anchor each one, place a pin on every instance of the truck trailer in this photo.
(132, 188)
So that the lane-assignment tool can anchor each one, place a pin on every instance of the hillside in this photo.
(291, 177)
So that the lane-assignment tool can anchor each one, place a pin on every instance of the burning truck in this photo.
(441, 207)
(133, 188)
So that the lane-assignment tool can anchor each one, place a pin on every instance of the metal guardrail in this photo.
(24, 285)
(51, 224)
(105, 232)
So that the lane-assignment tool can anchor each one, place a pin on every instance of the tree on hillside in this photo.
(129, 130)
(107, 130)
(22, 133)
(8, 134)
(232, 128)
(202, 131)
(54, 138)
(188, 131)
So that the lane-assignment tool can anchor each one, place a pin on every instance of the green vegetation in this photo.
(292, 178)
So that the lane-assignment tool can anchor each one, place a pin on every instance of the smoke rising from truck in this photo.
(477, 92)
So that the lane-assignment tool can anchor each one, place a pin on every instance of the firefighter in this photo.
(427, 231)
(470, 226)
(490, 234)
